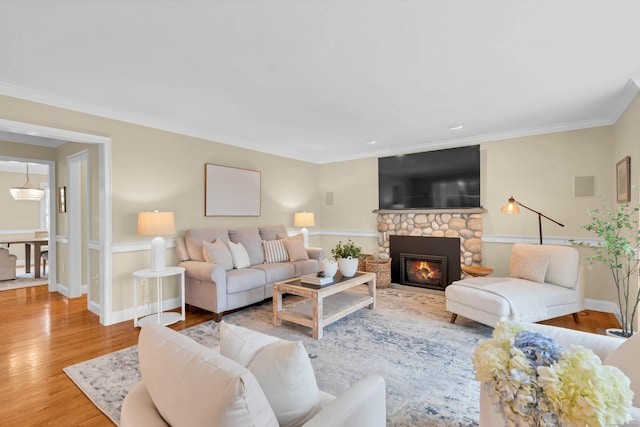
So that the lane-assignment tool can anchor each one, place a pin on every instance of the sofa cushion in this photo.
(282, 368)
(276, 271)
(296, 249)
(250, 239)
(217, 253)
(239, 255)
(306, 266)
(271, 232)
(529, 266)
(625, 358)
(564, 262)
(193, 239)
(181, 377)
(244, 279)
(275, 251)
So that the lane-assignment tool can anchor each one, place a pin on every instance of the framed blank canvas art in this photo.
(231, 191)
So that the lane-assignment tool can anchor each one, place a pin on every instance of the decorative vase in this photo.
(329, 267)
(348, 266)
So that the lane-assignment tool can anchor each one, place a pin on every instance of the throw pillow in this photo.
(239, 255)
(217, 253)
(275, 251)
(181, 375)
(242, 344)
(282, 368)
(298, 236)
(530, 267)
(250, 239)
(296, 249)
(285, 374)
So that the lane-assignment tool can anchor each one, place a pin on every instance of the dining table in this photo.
(37, 243)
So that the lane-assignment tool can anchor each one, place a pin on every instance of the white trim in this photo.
(562, 241)
(348, 233)
(9, 231)
(49, 132)
(123, 247)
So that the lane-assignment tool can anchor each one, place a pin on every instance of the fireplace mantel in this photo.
(431, 211)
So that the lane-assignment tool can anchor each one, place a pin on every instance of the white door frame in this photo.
(75, 200)
(104, 204)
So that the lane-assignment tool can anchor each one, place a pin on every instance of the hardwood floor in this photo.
(44, 332)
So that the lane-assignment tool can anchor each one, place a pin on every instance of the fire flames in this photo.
(425, 271)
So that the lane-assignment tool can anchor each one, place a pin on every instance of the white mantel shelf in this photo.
(431, 211)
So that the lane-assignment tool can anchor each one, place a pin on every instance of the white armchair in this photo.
(7, 265)
(612, 351)
(545, 281)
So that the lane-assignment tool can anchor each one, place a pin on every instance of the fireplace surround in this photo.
(462, 224)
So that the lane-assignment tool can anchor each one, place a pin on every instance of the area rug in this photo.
(23, 281)
(408, 340)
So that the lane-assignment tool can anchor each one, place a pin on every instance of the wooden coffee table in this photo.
(325, 305)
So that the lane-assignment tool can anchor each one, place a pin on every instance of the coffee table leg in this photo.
(277, 305)
(372, 292)
(317, 317)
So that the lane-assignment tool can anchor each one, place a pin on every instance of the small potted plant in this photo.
(347, 255)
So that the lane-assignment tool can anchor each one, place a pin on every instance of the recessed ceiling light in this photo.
(370, 142)
(456, 126)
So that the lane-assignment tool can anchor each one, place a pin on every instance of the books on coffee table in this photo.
(313, 279)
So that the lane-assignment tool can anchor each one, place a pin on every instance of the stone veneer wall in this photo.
(465, 224)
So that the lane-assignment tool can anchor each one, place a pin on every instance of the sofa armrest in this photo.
(205, 271)
(316, 253)
(138, 409)
(361, 405)
(601, 345)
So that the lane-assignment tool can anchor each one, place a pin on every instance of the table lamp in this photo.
(304, 220)
(156, 224)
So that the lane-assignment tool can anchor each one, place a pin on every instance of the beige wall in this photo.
(153, 169)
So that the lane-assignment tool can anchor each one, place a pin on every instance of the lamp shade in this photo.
(156, 223)
(304, 219)
(511, 207)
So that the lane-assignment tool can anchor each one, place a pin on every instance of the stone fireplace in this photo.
(464, 226)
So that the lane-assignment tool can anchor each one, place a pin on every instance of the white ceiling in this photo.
(317, 79)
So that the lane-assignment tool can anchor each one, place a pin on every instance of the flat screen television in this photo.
(430, 180)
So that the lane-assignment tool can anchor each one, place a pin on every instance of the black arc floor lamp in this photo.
(512, 208)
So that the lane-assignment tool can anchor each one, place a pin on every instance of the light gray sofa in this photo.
(215, 289)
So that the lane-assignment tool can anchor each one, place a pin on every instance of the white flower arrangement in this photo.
(533, 381)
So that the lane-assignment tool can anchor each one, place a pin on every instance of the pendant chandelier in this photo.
(27, 191)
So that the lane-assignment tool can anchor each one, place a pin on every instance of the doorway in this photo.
(45, 136)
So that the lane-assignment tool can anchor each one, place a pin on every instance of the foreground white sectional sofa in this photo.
(264, 382)
(546, 281)
(218, 288)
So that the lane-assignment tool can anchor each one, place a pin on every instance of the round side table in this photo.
(477, 270)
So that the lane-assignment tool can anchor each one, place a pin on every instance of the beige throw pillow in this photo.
(282, 368)
(296, 249)
(239, 255)
(298, 236)
(217, 253)
(529, 266)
